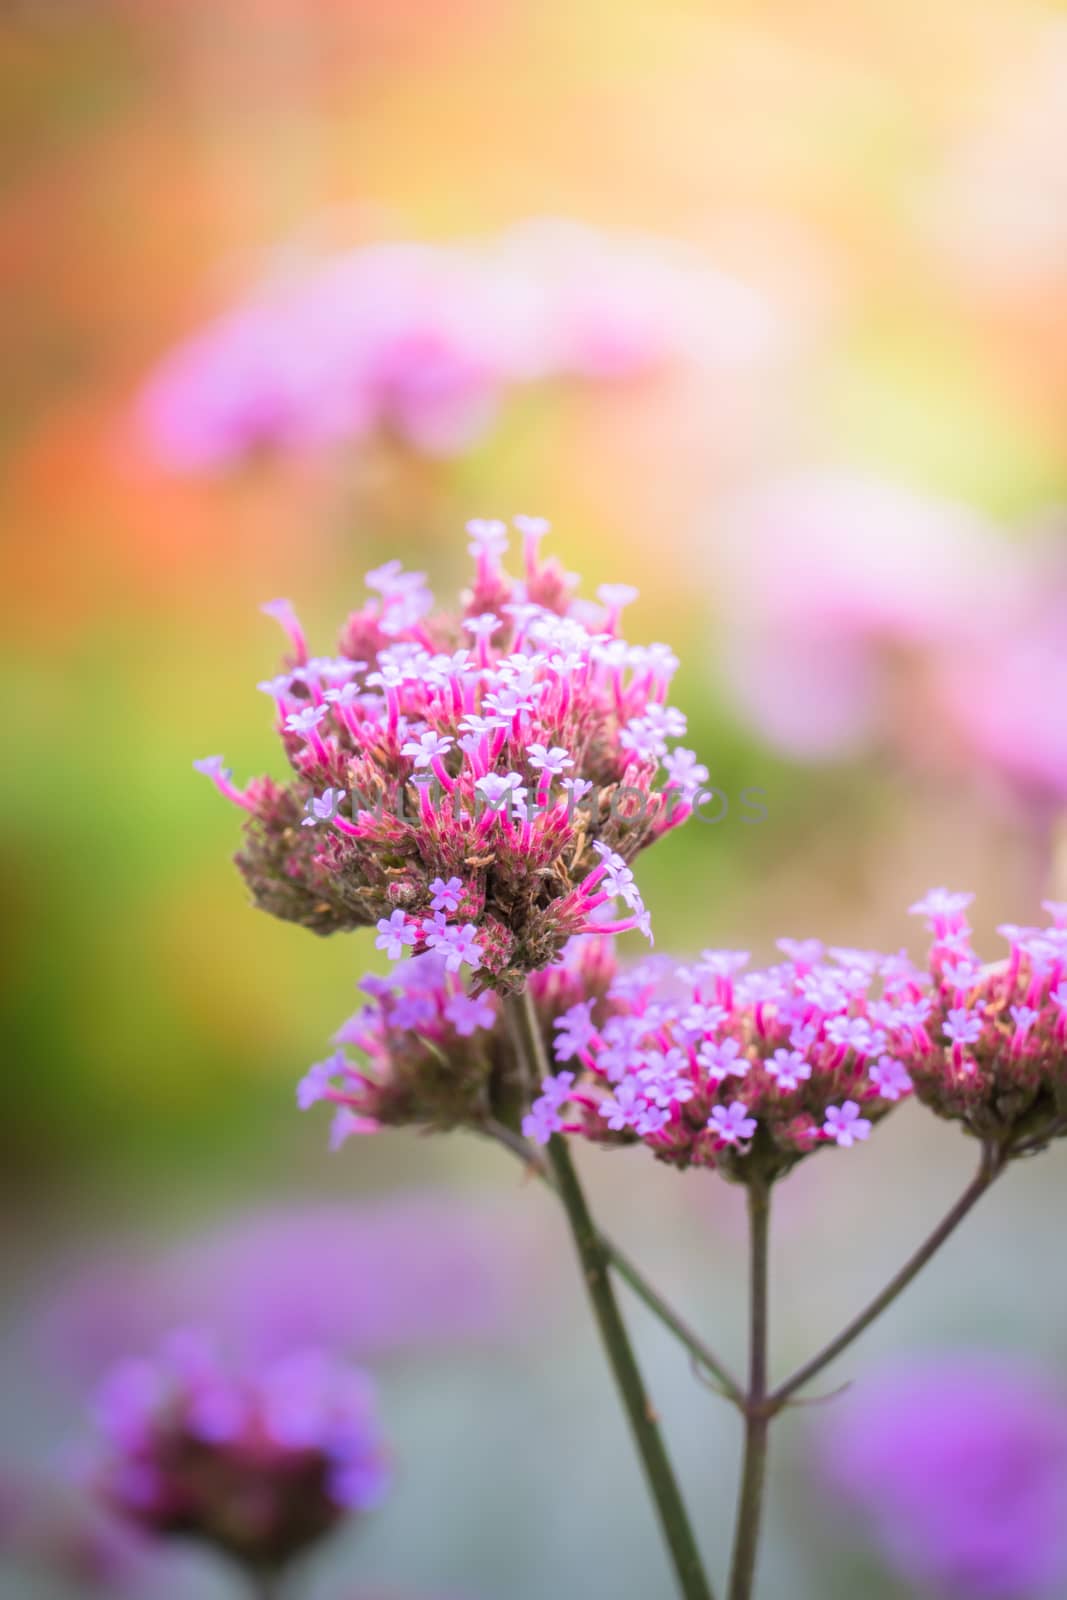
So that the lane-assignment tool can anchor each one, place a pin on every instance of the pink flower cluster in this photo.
(713, 1065)
(259, 1462)
(473, 783)
(437, 1056)
(421, 343)
(991, 1050)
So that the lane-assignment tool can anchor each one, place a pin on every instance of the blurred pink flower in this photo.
(957, 1465)
(259, 1459)
(834, 583)
(1007, 698)
(368, 1281)
(422, 342)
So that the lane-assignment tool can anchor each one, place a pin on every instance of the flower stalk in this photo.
(756, 1413)
(663, 1486)
(991, 1165)
(632, 1275)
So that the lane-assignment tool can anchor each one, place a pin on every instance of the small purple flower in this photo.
(498, 788)
(304, 721)
(912, 1013)
(652, 1119)
(446, 896)
(483, 626)
(850, 1033)
(315, 1084)
(394, 933)
(456, 944)
(941, 905)
(961, 973)
(543, 1118)
(802, 952)
(701, 1018)
(551, 762)
(732, 1123)
(845, 1125)
(890, 1078)
(427, 748)
(575, 1029)
(212, 767)
(487, 536)
(788, 1068)
(623, 1109)
(684, 770)
(468, 1013)
(618, 878)
(617, 595)
(720, 1060)
(962, 1026)
(323, 807)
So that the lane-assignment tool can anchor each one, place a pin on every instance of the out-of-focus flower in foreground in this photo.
(471, 783)
(957, 1466)
(421, 343)
(258, 1461)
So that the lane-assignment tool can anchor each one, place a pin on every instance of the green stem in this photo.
(757, 1415)
(631, 1274)
(674, 1521)
(991, 1166)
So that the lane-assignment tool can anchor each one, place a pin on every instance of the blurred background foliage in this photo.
(893, 179)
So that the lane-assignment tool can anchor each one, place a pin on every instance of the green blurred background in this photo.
(154, 1025)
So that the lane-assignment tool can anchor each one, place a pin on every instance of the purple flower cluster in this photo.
(435, 1055)
(957, 1467)
(259, 1462)
(713, 1065)
(420, 344)
(991, 1049)
(472, 784)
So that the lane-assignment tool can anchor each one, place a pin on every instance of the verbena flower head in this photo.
(259, 1462)
(432, 1053)
(991, 1052)
(714, 1065)
(473, 783)
(956, 1465)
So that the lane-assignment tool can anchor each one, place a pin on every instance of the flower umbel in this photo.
(992, 1051)
(748, 1072)
(438, 1056)
(474, 783)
